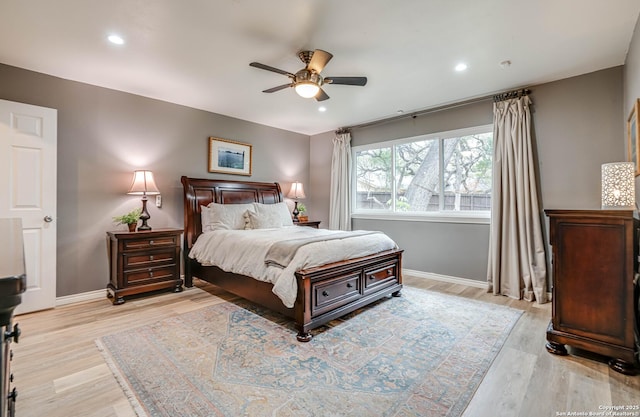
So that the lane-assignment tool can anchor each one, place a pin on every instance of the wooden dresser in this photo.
(594, 261)
(143, 261)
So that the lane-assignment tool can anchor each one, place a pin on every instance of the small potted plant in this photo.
(301, 210)
(130, 219)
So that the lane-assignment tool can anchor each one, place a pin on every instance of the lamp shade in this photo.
(307, 89)
(618, 185)
(296, 191)
(143, 184)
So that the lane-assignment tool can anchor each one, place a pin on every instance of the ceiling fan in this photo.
(308, 82)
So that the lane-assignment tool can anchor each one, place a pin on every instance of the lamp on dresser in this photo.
(618, 186)
(296, 193)
(143, 184)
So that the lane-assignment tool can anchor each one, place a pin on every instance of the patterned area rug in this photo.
(422, 354)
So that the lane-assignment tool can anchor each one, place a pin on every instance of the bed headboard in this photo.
(201, 191)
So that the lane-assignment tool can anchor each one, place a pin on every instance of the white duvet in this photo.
(243, 252)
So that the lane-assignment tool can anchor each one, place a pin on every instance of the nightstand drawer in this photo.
(149, 242)
(138, 260)
(148, 275)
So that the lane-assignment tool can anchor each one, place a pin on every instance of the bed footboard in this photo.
(331, 291)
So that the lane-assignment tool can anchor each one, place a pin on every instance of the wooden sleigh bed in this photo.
(324, 293)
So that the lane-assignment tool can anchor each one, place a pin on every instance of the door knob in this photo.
(48, 219)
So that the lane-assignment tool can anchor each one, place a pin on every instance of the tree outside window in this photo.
(408, 175)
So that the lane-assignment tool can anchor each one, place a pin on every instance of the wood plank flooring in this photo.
(59, 371)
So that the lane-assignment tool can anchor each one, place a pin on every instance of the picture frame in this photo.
(633, 136)
(229, 157)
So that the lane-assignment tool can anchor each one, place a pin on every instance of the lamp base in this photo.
(144, 216)
(618, 207)
(295, 213)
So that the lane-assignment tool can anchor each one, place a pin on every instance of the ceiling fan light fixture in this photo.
(307, 89)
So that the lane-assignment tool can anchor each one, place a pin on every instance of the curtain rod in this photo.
(495, 97)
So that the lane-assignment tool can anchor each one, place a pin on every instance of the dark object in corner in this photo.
(13, 282)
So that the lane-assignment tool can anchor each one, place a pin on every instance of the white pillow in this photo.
(205, 219)
(268, 216)
(224, 216)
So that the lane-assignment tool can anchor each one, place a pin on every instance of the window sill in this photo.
(454, 217)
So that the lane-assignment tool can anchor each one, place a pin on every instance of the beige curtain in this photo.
(340, 197)
(517, 265)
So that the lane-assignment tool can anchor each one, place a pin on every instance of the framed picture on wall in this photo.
(229, 157)
(633, 134)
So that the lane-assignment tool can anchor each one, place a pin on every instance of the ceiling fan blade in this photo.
(272, 69)
(278, 88)
(321, 96)
(361, 81)
(319, 59)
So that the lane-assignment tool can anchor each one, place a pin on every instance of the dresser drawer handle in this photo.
(151, 257)
(15, 334)
(324, 293)
(349, 285)
(151, 242)
(150, 273)
(389, 271)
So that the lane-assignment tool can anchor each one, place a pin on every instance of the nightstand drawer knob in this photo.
(389, 271)
(324, 293)
(349, 285)
(151, 242)
(151, 257)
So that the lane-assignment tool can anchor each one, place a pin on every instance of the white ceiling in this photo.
(197, 52)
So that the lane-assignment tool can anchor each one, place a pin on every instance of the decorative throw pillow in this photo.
(268, 216)
(205, 217)
(226, 216)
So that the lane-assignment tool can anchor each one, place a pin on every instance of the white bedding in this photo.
(243, 252)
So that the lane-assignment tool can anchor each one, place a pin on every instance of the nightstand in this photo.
(309, 224)
(143, 261)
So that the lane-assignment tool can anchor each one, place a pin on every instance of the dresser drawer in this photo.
(149, 242)
(385, 275)
(148, 275)
(136, 260)
(328, 295)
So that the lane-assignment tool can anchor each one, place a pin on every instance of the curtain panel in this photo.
(517, 260)
(340, 197)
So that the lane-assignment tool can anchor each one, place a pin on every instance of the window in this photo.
(446, 173)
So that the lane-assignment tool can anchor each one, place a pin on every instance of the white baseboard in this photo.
(84, 297)
(81, 297)
(98, 294)
(446, 278)
(453, 280)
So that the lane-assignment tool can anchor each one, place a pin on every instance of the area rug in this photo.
(422, 354)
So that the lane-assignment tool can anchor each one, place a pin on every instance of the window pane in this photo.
(373, 179)
(467, 174)
(417, 176)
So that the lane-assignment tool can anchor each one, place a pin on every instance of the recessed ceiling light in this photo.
(461, 67)
(322, 108)
(116, 39)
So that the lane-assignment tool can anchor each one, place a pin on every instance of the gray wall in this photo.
(576, 127)
(632, 83)
(103, 135)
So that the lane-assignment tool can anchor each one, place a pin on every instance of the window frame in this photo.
(446, 216)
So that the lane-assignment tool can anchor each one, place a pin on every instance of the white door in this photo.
(28, 147)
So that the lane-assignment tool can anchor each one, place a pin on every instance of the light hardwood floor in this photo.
(59, 371)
